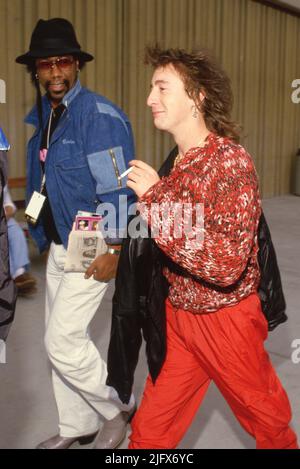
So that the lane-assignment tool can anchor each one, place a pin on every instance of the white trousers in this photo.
(79, 373)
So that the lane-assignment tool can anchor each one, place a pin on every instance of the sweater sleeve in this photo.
(217, 245)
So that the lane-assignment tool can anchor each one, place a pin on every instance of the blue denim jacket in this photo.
(4, 145)
(91, 145)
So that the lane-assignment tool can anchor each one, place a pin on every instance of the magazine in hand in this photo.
(85, 243)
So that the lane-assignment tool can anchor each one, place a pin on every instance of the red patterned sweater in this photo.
(223, 269)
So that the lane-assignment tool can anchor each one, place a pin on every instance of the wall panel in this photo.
(257, 45)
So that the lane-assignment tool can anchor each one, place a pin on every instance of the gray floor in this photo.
(27, 407)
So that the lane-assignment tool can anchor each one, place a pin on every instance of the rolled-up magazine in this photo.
(83, 248)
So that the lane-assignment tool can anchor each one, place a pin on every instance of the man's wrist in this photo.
(114, 251)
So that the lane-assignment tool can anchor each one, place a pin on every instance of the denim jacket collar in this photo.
(32, 116)
(68, 98)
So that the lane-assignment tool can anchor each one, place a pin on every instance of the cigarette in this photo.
(126, 172)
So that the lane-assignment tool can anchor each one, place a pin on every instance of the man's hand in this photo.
(104, 267)
(142, 177)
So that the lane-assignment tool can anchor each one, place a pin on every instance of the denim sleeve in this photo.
(109, 148)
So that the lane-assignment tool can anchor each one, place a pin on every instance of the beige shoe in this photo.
(63, 442)
(113, 431)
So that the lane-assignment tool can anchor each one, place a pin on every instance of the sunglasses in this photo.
(61, 62)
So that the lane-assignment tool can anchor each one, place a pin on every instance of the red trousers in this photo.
(226, 347)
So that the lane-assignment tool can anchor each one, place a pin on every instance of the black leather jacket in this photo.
(139, 303)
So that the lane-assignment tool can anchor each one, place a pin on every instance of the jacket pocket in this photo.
(73, 178)
(106, 167)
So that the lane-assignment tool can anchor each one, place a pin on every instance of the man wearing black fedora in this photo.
(81, 145)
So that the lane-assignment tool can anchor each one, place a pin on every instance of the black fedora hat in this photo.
(53, 37)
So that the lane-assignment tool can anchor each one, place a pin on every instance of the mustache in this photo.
(65, 82)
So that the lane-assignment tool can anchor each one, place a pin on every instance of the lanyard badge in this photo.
(36, 203)
(34, 207)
